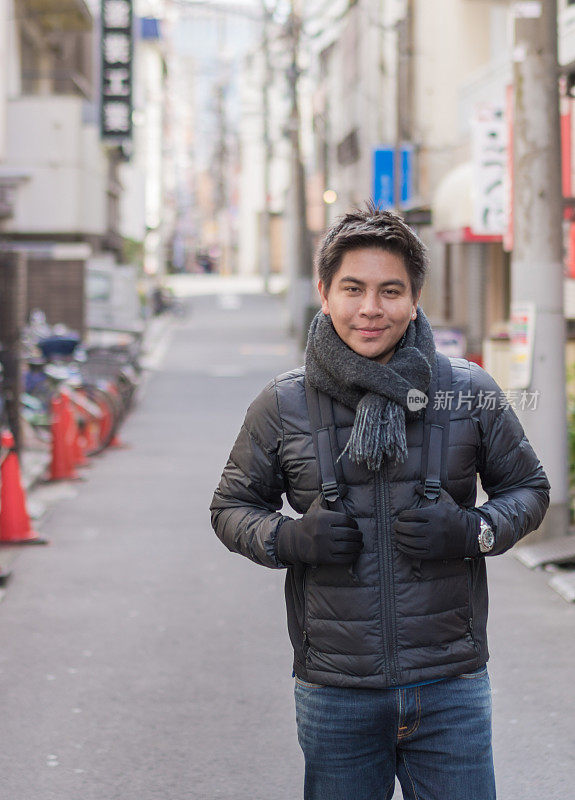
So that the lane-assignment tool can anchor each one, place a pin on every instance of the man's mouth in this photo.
(370, 332)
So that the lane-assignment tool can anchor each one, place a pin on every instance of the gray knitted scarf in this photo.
(377, 392)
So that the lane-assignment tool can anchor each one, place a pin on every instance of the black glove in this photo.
(319, 537)
(438, 531)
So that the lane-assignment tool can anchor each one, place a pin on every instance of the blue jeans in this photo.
(436, 738)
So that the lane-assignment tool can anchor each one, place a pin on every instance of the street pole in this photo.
(537, 258)
(12, 313)
(326, 155)
(222, 156)
(403, 97)
(302, 308)
(3, 75)
(265, 238)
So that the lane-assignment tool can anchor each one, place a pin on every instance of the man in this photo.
(386, 593)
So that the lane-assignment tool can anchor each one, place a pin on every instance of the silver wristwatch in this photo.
(486, 537)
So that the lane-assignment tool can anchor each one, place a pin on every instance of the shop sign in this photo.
(116, 62)
(489, 147)
(522, 334)
(383, 176)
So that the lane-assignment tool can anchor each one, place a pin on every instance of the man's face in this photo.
(370, 302)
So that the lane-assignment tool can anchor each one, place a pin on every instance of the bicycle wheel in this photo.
(100, 431)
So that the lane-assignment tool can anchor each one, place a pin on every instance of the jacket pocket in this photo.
(455, 579)
(334, 575)
(305, 582)
(469, 565)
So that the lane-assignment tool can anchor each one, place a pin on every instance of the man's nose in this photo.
(371, 305)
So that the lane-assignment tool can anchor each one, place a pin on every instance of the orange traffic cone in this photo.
(80, 445)
(62, 465)
(14, 520)
(72, 433)
(75, 455)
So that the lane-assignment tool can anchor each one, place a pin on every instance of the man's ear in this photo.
(323, 295)
(416, 303)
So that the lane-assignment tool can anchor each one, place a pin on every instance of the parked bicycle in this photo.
(100, 381)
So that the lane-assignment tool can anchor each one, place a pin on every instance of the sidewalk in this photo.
(36, 455)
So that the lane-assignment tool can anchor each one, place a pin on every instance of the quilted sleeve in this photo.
(510, 472)
(245, 504)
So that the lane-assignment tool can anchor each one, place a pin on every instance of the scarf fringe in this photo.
(378, 432)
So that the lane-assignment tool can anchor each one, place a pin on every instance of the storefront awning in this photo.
(452, 207)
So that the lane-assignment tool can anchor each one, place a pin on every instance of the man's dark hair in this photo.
(372, 227)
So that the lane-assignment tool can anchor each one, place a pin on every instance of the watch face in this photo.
(486, 538)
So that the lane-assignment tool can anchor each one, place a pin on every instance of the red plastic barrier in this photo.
(15, 525)
(62, 467)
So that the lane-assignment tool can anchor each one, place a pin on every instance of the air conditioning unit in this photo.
(7, 198)
(8, 188)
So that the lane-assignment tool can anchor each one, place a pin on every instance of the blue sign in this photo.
(150, 29)
(383, 176)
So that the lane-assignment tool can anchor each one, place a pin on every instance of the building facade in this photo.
(75, 194)
(433, 83)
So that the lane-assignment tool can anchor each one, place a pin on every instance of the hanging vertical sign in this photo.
(116, 61)
(567, 120)
(489, 146)
(508, 179)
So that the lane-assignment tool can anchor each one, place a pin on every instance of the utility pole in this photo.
(12, 312)
(4, 74)
(302, 308)
(222, 171)
(265, 237)
(326, 156)
(537, 259)
(403, 97)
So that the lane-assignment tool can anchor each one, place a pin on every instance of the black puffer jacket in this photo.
(393, 625)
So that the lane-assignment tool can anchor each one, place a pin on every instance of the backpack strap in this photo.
(435, 437)
(322, 422)
(436, 430)
(330, 476)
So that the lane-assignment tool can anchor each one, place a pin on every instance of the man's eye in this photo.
(351, 289)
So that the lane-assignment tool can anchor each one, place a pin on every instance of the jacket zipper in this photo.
(387, 604)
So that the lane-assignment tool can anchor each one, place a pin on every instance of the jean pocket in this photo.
(308, 685)
(478, 673)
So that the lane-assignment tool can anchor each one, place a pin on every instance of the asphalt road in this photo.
(143, 661)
